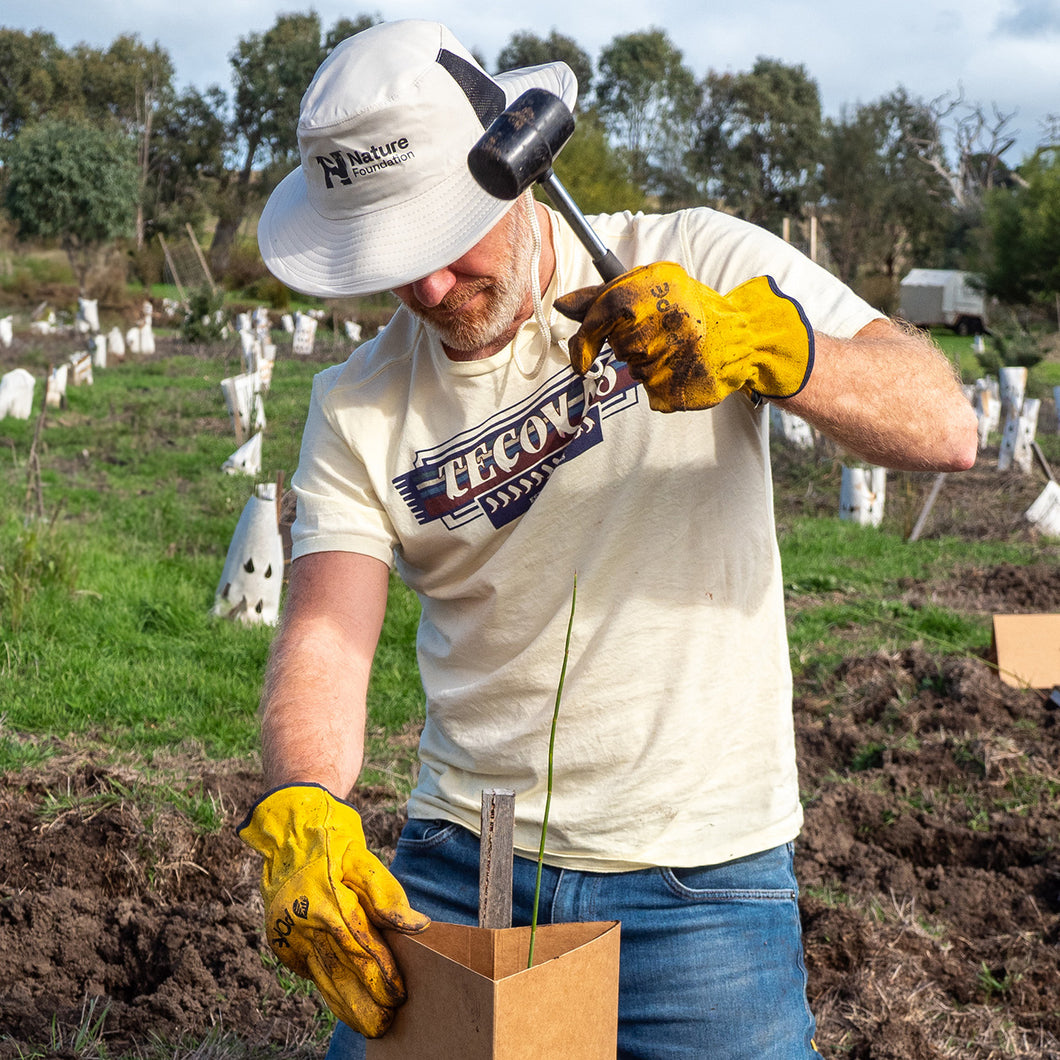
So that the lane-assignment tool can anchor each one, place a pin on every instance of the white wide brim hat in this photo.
(384, 195)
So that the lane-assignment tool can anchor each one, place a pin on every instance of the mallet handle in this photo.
(607, 264)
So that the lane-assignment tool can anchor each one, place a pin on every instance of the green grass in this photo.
(202, 809)
(960, 350)
(105, 626)
(105, 604)
(844, 584)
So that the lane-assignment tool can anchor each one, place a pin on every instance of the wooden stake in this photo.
(928, 505)
(34, 487)
(495, 858)
(202, 258)
(279, 497)
(172, 269)
(1043, 463)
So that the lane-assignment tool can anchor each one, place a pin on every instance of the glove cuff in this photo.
(293, 810)
(785, 340)
(285, 787)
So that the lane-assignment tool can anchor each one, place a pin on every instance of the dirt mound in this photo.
(121, 911)
(929, 867)
(1007, 588)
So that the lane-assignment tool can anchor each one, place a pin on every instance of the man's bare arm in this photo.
(313, 707)
(890, 397)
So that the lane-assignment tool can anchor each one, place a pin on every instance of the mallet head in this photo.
(520, 144)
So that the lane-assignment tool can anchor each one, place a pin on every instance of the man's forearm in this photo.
(316, 683)
(312, 715)
(891, 398)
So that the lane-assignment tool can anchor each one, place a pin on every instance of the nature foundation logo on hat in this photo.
(384, 195)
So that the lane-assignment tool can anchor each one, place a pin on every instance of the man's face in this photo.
(482, 297)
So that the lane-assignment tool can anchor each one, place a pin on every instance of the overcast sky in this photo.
(999, 53)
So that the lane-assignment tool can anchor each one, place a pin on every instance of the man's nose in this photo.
(433, 288)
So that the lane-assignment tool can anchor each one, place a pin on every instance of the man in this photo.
(490, 448)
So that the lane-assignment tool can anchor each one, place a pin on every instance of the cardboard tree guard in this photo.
(472, 997)
(1027, 649)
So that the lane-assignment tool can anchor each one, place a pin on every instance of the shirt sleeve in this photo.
(725, 251)
(338, 509)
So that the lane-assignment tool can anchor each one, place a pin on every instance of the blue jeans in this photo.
(711, 961)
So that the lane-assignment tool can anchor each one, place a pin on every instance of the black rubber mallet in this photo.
(517, 150)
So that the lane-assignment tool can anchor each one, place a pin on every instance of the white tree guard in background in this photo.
(1013, 385)
(257, 355)
(250, 347)
(791, 429)
(55, 386)
(141, 338)
(239, 399)
(116, 342)
(246, 460)
(1018, 438)
(252, 577)
(81, 369)
(244, 402)
(264, 372)
(862, 493)
(45, 326)
(7, 331)
(98, 347)
(16, 394)
(1044, 513)
(987, 405)
(87, 315)
(305, 329)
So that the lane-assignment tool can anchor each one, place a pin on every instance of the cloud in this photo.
(1029, 18)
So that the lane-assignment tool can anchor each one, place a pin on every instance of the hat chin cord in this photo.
(535, 287)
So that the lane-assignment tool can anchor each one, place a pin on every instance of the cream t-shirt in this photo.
(490, 484)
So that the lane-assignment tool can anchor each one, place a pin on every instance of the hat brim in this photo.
(389, 247)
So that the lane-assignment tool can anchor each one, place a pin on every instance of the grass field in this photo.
(105, 602)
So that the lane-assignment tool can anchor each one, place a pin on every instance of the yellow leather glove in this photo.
(690, 346)
(326, 897)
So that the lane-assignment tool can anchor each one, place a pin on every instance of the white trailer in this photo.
(943, 298)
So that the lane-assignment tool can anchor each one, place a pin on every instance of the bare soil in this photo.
(929, 861)
(929, 868)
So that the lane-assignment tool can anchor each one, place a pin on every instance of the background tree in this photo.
(527, 49)
(1022, 260)
(127, 84)
(594, 173)
(1049, 131)
(647, 97)
(36, 78)
(882, 209)
(966, 149)
(757, 141)
(271, 72)
(347, 27)
(187, 161)
(854, 192)
(965, 146)
(73, 182)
